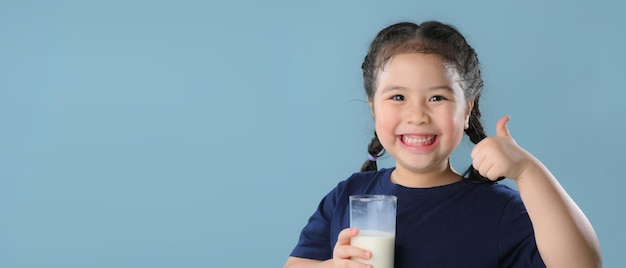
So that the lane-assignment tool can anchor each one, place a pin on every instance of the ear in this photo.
(470, 106)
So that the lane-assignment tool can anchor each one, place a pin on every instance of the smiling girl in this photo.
(423, 85)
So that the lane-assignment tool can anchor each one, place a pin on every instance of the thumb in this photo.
(501, 129)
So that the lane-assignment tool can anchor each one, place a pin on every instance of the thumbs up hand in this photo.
(500, 156)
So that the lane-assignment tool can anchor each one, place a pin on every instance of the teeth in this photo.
(418, 141)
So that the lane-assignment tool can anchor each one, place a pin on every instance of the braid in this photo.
(475, 130)
(476, 133)
(375, 149)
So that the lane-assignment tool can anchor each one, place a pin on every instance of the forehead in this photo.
(417, 70)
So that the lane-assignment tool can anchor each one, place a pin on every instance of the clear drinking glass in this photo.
(375, 216)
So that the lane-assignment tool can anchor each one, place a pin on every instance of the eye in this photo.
(397, 97)
(437, 98)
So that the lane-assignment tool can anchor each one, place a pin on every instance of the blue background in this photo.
(201, 134)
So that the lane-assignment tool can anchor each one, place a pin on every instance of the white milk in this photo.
(381, 244)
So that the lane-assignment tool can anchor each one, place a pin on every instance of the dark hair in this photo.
(430, 37)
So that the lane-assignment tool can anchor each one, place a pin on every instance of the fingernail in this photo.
(367, 254)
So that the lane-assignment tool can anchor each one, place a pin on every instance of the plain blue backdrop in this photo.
(200, 134)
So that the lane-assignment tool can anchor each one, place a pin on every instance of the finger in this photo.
(347, 252)
(490, 172)
(479, 153)
(345, 235)
(344, 250)
(483, 168)
(350, 264)
(501, 129)
(477, 161)
(476, 151)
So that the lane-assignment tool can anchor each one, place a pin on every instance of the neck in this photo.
(414, 179)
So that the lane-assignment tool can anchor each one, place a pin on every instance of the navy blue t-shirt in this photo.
(462, 224)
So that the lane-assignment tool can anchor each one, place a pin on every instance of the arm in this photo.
(564, 236)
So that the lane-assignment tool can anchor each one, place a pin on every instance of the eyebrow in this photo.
(445, 87)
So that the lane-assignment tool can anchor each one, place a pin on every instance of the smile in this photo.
(420, 140)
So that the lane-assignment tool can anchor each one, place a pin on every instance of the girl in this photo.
(423, 85)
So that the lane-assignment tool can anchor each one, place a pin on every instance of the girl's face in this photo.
(420, 112)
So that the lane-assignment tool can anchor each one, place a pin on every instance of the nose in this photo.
(417, 114)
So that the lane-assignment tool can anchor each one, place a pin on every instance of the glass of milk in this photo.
(375, 216)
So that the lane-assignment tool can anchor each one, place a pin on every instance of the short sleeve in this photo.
(315, 238)
(517, 246)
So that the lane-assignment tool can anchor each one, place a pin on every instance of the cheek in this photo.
(459, 119)
(385, 124)
(381, 122)
(385, 133)
(461, 114)
(456, 122)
